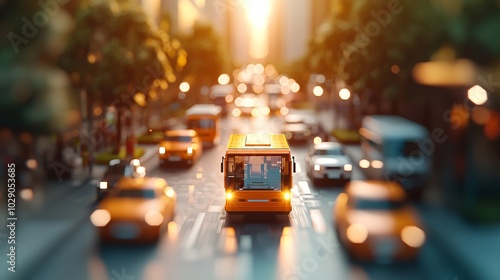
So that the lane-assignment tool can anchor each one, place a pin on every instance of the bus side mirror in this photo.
(222, 165)
(293, 164)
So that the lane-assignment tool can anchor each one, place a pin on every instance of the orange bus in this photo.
(258, 173)
(205, 120)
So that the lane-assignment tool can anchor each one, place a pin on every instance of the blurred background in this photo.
(86, 81)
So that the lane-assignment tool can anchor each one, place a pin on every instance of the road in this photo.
(203, 243)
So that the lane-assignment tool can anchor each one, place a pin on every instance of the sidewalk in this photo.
(57, 211)
(472, 249)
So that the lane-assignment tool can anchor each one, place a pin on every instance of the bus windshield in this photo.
(257, 172)
(201, 123)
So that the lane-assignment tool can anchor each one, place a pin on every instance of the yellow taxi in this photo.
(138, 209)
(183, 145)
(374, 222)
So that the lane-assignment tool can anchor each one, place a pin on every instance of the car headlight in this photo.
(190, 150)
(169, 192)
(348, 167)
(413, 236)
(103, 185)
(100, 217)
(153, 218)
(317, 167)
(357, 233)
(161, 150)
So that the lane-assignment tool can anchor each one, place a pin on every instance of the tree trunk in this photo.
(118, 138)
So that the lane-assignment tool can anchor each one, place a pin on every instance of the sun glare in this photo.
(258, 12)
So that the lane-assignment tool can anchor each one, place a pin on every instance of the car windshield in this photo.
(376, 204)
(136, 193)
(328, 152)
(186, 139)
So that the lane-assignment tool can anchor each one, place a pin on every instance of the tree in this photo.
(35, 92)
(390, 40)
(117, 56)
(207, 56)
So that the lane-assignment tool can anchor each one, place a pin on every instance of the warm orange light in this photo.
(236, 112)
(413, 236)
(223, 79)
(318, 91)
(377, 164)
(184, 87)
(286, 195)
(364, 163)
(344, 94)
(357, 233)
(153, 218)
(242, 88)
(27, 194)
(258, 12)
(477, 95)
(170, 192)
(229, 196)
(100, 217)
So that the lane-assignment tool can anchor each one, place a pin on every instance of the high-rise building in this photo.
(265, 31)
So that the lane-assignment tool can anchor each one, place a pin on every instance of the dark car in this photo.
(118, 169)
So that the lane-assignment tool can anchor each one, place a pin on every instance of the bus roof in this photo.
(204, 109)
(246, 142)
(391, 127)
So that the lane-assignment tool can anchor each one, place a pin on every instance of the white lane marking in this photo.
(304, 187)
(245, 242)
(214, 208)
(313, 204)
(195, 231)
(220, 224)
(302, 217)
(318, 221)
(298, 169)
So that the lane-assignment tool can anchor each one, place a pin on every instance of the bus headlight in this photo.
(317, 167)
(190, 150)
(161, 150)
(286, 195)
(229, 195)
(347, 167)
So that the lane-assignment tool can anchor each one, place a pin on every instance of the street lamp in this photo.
(477, 95)
(318, 91)
(344, 94)
(184, 87)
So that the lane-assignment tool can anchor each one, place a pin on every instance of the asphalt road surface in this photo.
(204, 243)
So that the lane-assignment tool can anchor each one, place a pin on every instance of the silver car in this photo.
(327, 161)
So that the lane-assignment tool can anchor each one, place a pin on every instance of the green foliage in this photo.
(35, 93)
(208, 57)
(106, 156)
(116, 51)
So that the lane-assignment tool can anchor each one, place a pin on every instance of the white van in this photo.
(393, 148)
